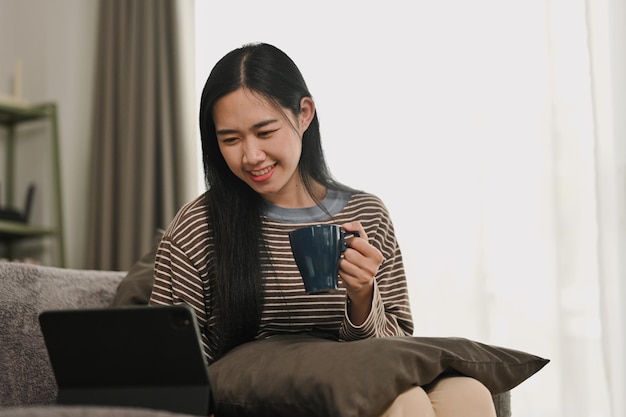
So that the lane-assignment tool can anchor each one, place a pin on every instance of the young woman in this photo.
(227, 253)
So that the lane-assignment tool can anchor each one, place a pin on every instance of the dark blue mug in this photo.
(317, 251)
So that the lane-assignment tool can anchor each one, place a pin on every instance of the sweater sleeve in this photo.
(176, 281)
(390, 314)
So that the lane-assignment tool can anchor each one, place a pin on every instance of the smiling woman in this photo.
(227, 253)
(473, 121)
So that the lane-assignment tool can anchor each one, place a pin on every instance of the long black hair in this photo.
(235, 209)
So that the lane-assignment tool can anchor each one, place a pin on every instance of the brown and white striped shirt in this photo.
(184, 258)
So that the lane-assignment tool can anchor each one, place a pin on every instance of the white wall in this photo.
(55, 41)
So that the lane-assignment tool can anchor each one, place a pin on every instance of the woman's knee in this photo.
(413, 402)
(461, 396)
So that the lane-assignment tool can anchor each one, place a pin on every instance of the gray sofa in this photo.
(27, 385)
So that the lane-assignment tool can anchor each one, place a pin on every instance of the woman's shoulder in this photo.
(190, 216)
(365, 200)
(371, 211)
(189, 234)
(193, 207)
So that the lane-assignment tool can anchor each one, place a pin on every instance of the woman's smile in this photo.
(263, 174)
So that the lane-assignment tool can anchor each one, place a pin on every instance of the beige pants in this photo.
(449, 397)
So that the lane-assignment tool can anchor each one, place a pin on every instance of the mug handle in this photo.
(344, 234)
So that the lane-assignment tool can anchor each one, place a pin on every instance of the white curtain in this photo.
(607, 45)
(490, 130)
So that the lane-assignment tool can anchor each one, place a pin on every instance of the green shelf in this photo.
(12, 115)
(15, 230)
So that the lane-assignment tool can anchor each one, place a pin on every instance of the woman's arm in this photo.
(177, 280)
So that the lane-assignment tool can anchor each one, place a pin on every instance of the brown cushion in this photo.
(305, 376)
(136, 287)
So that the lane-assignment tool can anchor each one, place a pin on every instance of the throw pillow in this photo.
(136, 286)
(303, 376)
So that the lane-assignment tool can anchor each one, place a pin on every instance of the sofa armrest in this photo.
(503, 404)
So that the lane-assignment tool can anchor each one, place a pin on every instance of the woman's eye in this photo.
(228, 141)
(266, 133)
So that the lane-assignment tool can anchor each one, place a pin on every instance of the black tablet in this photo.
(139, 356)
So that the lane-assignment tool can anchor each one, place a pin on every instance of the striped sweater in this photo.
(184, 256)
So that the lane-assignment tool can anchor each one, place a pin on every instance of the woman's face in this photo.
(262, 144)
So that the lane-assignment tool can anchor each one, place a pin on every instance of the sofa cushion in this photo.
(26, 376)
(305, 376)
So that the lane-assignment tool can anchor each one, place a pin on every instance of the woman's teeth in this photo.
(263, 171)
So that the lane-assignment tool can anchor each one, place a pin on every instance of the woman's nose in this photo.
(252, 152)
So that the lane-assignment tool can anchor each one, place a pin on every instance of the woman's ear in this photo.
(307, 112)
